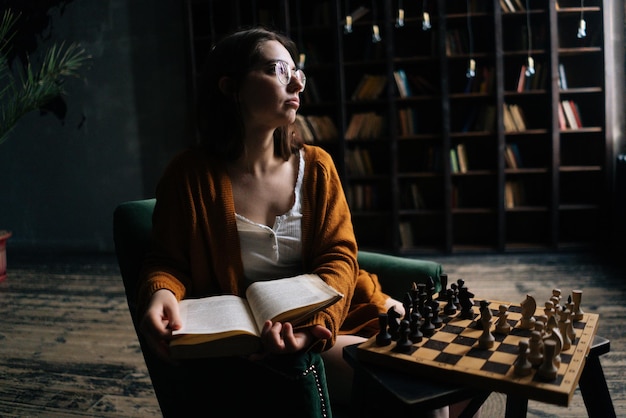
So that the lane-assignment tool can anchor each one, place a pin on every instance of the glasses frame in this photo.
(284, 73)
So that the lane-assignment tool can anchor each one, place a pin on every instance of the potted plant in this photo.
(24, 89)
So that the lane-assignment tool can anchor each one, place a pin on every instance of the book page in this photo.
(215, 314)
(270, 298)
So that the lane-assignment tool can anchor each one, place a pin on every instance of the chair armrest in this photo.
(397, 274)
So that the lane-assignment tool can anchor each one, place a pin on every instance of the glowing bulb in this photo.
(426, 21)
(375, 34)
(582, 29)
(530, 68)
(347, 28)
(471, 71)
(400, 19)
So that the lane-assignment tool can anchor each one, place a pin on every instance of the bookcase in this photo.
(455, 125)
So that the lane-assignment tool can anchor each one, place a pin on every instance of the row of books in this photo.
(367, 125)
(514, 120)
(514, 195)
(509, 6)
(362, 196)
(359, 162)
(316, 128)
(569, 115)
(370, 87)
(458, 159)
(411, 197)
(512, 157)
(536, 81)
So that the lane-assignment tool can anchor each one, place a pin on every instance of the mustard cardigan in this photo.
(195, 245)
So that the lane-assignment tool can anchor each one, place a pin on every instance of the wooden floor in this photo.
(68, 349)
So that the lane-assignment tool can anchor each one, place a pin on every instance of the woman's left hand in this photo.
(280, 337)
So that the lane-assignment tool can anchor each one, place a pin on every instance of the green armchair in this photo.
(132, 224)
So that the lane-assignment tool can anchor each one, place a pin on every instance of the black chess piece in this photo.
(383, 337)
(437, 321)
(483, 305)
(404, 344)
(407, 303)
(393, 324)
(416, 322)
(450, 308)
(427, 328)
(465, 299)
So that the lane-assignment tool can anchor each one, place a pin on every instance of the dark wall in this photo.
(60, 181)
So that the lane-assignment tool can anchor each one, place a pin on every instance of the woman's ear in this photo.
(227, 86)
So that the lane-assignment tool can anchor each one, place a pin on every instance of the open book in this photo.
(228, 325)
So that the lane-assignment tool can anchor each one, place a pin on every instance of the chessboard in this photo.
(453, 354)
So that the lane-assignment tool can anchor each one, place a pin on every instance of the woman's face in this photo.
(266, 102)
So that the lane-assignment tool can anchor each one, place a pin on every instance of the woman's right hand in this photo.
(160, 319)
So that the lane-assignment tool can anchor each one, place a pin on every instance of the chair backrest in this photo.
(132, 225)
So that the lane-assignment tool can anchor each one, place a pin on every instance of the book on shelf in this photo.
(570, 117)
(416, 197)
(513, 118)
(365, 125)
(408, 121)
(522, 80)
(361, 196)
(229, 325)
(370, 87)
(462, 158)
(512, 156)
(562, 77)
(315, 128)
(402, 83)
(406, 234)
(513, 194)
(454, 161)
(359, 161)
(576, 112)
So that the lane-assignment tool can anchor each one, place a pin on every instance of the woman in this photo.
(253, 203)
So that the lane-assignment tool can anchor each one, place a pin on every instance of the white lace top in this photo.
(270, 253)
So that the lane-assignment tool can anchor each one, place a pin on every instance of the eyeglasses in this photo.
(284, 72)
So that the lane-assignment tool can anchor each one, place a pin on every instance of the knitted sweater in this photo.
(195, 245)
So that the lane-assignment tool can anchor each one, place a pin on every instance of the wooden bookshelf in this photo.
(404, 110)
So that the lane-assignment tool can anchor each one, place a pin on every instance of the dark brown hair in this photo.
(220, 127)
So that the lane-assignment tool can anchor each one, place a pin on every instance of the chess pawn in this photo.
(393, 323)
(528, 310)
(383, 337)
(450, 308)
(523, 367)
(576, 298)
(555, 335)
(486, 339)
(428, 329)
(570, 326)
(535, 356)
(502, 325)
(416, 322)
(556, 293)
(564, 323)
(549, 309)
(539, 326)
(484, 311)
(404, 344)
(547, 370)
(437, 321)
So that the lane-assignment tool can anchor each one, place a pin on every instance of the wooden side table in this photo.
(378, 391)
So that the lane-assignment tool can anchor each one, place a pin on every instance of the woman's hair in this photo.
(220, 124)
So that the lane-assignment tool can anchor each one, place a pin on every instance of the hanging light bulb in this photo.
(400, 18)
(425, 17)
(530, 67)
(426, 21)
(347, 28)
(582, 29)
(375, 34)
(301, 61)
(582, 25)
(471, 69)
